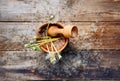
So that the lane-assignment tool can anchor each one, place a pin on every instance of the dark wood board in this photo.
(85, 64)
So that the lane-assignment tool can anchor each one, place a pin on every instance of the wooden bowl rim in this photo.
(45, 50)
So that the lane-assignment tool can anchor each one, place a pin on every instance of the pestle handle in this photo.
(66, 31)
(54, 31)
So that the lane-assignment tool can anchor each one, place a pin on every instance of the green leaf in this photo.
(36, 37)
(36, 48)
(31, 42)
(27, 45)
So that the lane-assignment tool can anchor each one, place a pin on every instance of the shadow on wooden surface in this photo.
(93, 54)
(84, 64)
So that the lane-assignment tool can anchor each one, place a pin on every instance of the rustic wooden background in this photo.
(93, 54)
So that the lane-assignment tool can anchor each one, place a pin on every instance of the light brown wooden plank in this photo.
(64, 10)
(15, 35)
(101, 35)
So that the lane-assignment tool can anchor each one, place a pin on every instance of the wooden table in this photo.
(93, 54)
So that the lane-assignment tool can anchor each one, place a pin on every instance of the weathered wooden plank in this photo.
(64, 10)
(101, 35)
(29, 59)
(21, 75)
(18, 65)
(30, 65)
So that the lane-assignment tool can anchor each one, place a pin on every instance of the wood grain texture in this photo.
(18, 65)
(93, 54)
(31, 59)
(101, 35)
(30, 65)
(64, 10)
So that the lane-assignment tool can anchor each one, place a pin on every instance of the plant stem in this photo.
(47, 48)
(47, 35)
(51, 46)
(47, 28)
(49, 40)
(54, 47)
